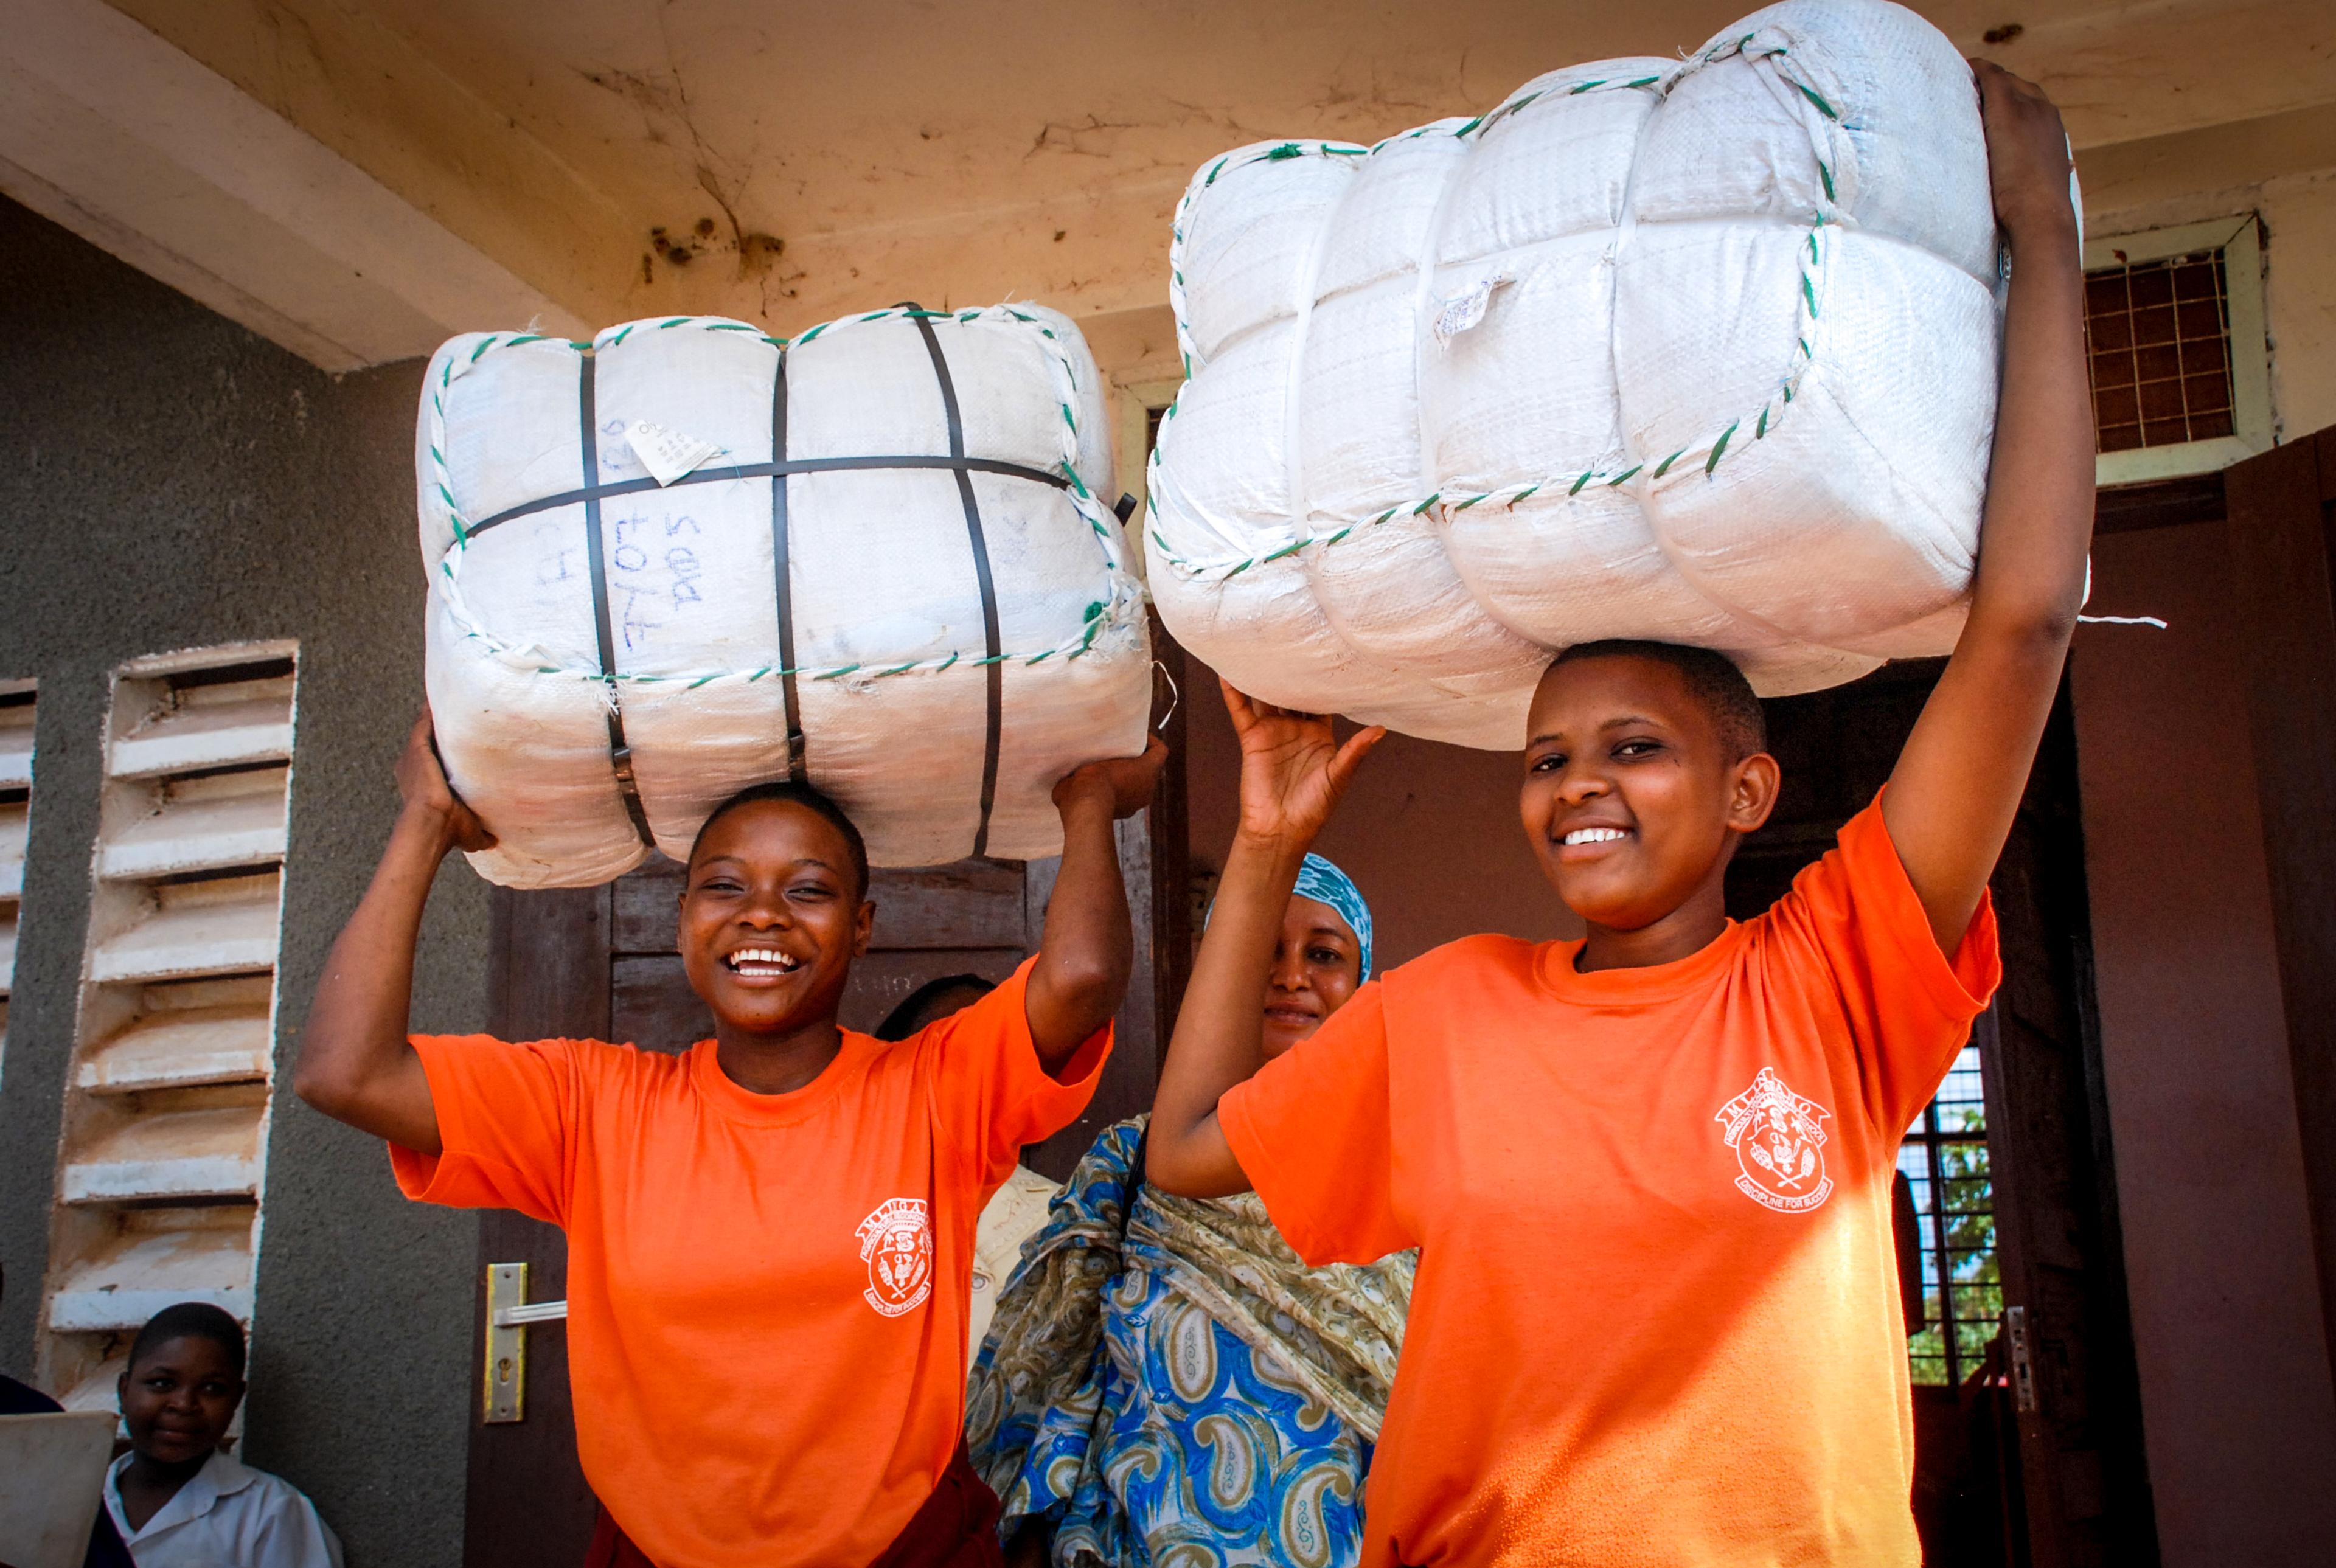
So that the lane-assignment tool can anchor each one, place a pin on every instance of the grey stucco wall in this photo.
(168, 480)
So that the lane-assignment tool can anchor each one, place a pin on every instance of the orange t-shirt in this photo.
(1657, 1316)
(766, 1293)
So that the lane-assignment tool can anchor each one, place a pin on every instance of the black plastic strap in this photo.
(1123, 507)
(774, 470)
(994, 668)
(620, 754)
(782, 577)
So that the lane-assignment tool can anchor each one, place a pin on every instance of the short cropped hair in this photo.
(1712, 677)
(189, 1321)
(813, 799)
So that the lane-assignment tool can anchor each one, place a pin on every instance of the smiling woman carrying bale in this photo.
(1656, 1320)
(771, 1235)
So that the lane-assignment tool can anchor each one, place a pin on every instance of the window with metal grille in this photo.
(1945, 1160)
(2159, 336)
(2174, 331)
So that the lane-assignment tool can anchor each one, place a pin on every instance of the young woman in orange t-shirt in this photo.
(771, 1235)
(1656, 1322)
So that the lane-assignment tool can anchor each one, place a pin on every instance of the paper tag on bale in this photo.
(1466, 310)
(667, 453)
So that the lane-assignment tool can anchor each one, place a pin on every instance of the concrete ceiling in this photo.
(788, 161)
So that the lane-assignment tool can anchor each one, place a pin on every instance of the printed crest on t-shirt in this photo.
(1779, 1140)
(896, 1242)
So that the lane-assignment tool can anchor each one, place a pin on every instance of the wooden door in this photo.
(2031, 1459)
(600, 964)
(2283, 531)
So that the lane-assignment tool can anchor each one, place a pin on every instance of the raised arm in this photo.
(1958, 784)
(356, 1063)
(1088, 946)
(1293, 772)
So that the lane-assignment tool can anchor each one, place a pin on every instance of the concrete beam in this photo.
(2130, 174)
(113, 133)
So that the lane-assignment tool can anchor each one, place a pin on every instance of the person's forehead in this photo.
(779, 830)
(1596, 691)
(1313, 915)
(186, 1351)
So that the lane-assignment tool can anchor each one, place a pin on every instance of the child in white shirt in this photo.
(178, 1500)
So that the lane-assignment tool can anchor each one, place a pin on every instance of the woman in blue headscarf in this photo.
(1164, 1381)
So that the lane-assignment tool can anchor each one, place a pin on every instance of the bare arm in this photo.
(1087, 949)
(1293, 772)
(1958, 784)
(356, 1063)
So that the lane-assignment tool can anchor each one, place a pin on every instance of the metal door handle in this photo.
(533, 1313)
(509, 1313)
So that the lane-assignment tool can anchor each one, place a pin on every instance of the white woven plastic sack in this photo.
(1701, 350)
(893, 656)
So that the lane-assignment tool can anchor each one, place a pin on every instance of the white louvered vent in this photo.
(15, 827)
(160, 1174)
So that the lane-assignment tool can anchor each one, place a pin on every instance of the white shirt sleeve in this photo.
(282, 1529)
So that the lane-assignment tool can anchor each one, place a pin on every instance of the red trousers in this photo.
(956, 1528)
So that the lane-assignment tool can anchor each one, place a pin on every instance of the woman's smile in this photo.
(761, 966)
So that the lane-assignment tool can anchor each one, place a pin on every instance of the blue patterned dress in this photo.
(1166, 1383)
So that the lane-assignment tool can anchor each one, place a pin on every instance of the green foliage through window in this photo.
(1945, 1160)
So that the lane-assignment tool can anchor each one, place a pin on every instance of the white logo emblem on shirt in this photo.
(1779, 1139)
(896, 1242)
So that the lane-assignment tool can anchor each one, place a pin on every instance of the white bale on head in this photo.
(891, 678)
(1701, 351)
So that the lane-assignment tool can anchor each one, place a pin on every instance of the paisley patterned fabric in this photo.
(1166, 1383)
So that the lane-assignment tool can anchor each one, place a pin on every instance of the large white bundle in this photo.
(912, 672)
(1699, 350)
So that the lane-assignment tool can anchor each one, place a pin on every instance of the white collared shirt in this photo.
(229, 1515)
(1015, 1212)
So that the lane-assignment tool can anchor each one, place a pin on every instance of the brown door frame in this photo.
(548, 955)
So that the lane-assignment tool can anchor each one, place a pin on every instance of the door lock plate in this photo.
(2023, 1363)
(506, 1371)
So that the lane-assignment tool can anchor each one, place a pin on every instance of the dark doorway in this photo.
(2027, 1408)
